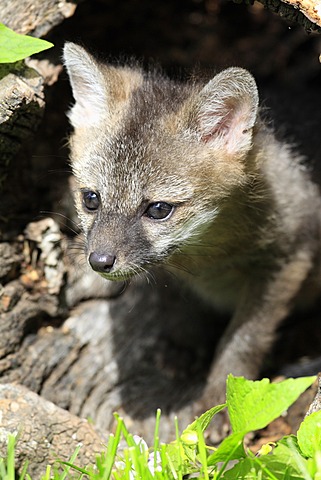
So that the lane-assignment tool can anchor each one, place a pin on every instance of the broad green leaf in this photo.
(288, 448)
(14, 46)
(309, 434)
(290, 441)
(186, 447)
(231, 448)
(282, 464)
(181, 458)
(286, 462)
(183, 452)
(204, 420)
(246, 469)
(254, 404)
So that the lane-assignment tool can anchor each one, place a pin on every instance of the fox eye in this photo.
(90, 200)
(159, 210)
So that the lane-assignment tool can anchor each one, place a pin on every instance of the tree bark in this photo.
(306, 13)
(35, 17)
(310, 8)
(21, 109)
(44, 433)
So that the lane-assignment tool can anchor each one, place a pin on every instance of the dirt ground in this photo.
(91, 357)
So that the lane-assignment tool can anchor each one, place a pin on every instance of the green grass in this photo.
(251, 406)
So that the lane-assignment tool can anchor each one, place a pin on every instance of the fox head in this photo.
(154, 159)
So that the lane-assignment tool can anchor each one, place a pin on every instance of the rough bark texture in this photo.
(316, 403)
(22, 88)
(298, 12)
(310, 8)
(45, 433)
(21, 108)
(35, 17)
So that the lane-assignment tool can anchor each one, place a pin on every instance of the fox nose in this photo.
(101, 263)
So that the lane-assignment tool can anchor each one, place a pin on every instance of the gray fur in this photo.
(245, 229)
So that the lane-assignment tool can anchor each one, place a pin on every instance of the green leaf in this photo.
(246, 469)
(204, 420)
(253, 405)
(282, 464)
(14, 46)
(183, 451)
(231, 448)
(181, 458)
(309, 434)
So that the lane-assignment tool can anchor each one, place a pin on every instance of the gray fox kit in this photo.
(188, 176)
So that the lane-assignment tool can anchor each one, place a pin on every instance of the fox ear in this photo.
(227, 111)
(88, 86)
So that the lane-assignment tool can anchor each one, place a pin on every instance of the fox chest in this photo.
(219, 284)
